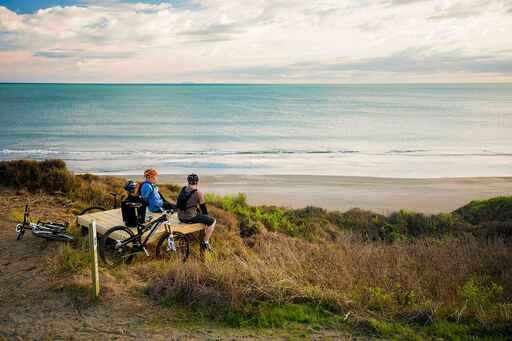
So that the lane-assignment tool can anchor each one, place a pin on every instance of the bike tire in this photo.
(182, 244)
(91, 209)
(84, 230)
(60, 236)
(108, 252)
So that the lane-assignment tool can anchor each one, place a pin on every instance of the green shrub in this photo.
(495, 209)
(49, 175)
(277, 316)
(272, 218)
(393, 329)
(480, 295)
(378, 299)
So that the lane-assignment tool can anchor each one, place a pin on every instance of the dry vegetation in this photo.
(407, 274)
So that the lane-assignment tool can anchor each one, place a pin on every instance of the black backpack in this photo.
(183, 197)
(130, 214)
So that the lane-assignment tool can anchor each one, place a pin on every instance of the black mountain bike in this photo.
(120, 244)
(93, 209)
(43, 229)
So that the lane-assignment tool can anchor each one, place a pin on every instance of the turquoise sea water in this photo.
(353, 130)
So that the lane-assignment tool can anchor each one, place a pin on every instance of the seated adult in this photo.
(192, 209)
(149, 192)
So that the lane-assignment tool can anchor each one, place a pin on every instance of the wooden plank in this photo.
(189, 228)
(108, 219)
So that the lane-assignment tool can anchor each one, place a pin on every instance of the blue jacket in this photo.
(151, 196)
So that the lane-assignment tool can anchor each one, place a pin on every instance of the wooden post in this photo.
(93, 244)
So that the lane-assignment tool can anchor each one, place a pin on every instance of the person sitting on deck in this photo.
(150, 193)
(190, 200)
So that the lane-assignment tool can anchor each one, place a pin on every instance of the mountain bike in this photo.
(93, 209)
(120, 244)
(43, 229)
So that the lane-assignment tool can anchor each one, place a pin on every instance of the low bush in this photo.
(52, 176)
(49, 175)
(479, 211)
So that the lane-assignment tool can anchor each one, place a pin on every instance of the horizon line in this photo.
(258, 84)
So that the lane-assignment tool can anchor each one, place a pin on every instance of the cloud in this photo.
(409, 62)
(263, 40)
(215, 33)
(455, 10)
(404, 2)
(81, 54)
(416, 61)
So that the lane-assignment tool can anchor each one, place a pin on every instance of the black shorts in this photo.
(200, 218)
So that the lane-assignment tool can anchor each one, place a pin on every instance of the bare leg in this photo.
(208, 231)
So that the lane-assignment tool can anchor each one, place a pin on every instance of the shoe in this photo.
(205, 246)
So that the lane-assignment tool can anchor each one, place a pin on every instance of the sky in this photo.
(256, 41)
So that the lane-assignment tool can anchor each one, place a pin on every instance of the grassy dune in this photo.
(405, 275)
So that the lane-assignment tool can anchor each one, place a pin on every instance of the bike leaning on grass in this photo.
(120, 244)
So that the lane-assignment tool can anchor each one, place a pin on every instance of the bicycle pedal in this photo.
(145, 251)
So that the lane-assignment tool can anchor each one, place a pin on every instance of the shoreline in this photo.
(382, 195)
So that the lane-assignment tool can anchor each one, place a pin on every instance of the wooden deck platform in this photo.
(108, 219)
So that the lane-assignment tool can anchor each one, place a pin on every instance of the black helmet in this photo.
(193, 179)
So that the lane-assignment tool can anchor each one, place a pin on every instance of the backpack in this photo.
(183, 197)
(130, 214)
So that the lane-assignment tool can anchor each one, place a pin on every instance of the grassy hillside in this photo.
(405, 275)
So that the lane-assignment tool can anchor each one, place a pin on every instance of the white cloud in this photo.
(260, 41)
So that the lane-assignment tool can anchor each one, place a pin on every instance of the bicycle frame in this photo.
(41, 228)
(151, 226)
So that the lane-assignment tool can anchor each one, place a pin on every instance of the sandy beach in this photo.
(342, 193)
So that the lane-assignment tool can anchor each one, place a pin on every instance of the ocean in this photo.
(401, 131)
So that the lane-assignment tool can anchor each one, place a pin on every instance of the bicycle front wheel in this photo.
(116, 246)
(20, 231)
(181, 244)
(52, 235)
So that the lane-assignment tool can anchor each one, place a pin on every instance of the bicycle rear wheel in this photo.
(181, 243)
(112, 249)
(91, 209)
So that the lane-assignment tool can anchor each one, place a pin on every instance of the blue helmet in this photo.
(130, 186)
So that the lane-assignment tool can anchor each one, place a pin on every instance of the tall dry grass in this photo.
(424, 279)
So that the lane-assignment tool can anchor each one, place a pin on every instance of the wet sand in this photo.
(342, 193)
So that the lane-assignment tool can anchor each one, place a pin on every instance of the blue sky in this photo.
(270, 41)
(30, 6)
(24, 6)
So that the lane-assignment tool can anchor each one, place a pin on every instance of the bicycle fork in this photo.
(171, 247)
